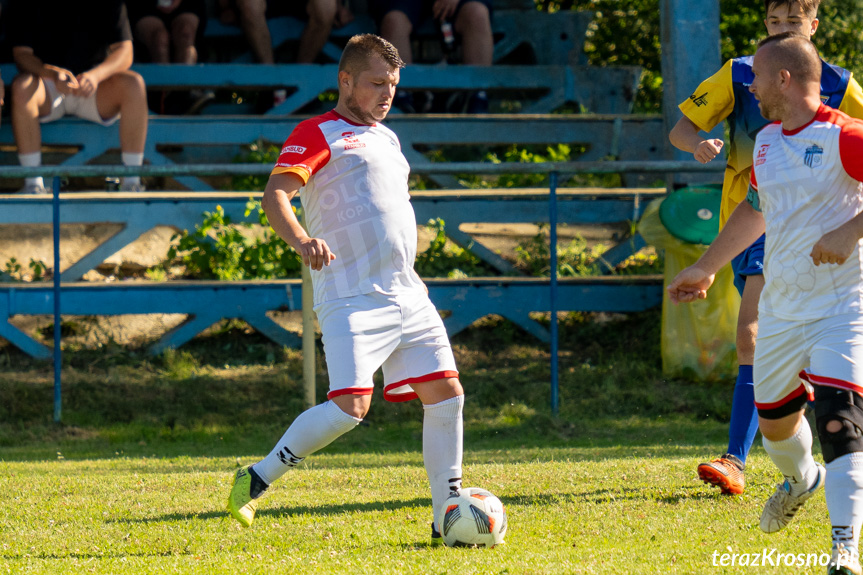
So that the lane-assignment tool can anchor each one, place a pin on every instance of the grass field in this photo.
(136, 479)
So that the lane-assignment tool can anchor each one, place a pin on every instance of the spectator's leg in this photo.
(152, 33)
(29, 101)
(253, 21)
(322, 13)
(473, 24)
(184, 29)
(396, 27)
(125, 93)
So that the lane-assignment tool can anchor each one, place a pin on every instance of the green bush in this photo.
(627, 32)
(447, 260)
(220, 249)
(13, 271)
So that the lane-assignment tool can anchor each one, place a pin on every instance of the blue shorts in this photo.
(750, 262)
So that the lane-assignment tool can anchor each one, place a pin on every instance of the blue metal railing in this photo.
(553, 169)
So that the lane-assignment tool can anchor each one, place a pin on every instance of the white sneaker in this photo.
(33, 189)
(132, 188)
(782, 506)
(844, 562)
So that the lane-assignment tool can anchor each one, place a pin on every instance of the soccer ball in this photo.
(473, 517)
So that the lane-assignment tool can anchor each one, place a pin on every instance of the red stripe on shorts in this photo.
(830, 382)
(793, 395)
(398, 397)
(350, 391)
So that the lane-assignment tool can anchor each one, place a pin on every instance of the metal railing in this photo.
(554, 170)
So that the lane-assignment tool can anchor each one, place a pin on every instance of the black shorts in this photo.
(417, 11)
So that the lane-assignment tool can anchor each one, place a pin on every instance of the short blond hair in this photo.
(795, 53)
(361, 48)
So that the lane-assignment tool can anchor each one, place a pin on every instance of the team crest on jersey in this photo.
(761, 157)
(699, 100)
(812, 158)
(293, 150)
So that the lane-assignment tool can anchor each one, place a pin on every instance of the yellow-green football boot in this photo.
(241, 502)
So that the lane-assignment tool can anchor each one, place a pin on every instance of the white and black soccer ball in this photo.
(473, 517)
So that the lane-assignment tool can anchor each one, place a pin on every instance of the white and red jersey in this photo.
(356, 199)
(808, 184)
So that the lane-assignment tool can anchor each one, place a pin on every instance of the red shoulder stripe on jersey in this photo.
(851, 148)
(306, 147)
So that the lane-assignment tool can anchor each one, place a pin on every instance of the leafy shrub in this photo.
(576, 259)
(14, 271)
(220, 249)
(447, 260)
(260, 152)
(627, 32)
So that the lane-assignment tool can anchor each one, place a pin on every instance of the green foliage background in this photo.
(627, 32)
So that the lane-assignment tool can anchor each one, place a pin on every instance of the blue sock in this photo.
(744, 415)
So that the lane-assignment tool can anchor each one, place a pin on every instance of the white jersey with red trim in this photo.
(356, 199)
(808, 184)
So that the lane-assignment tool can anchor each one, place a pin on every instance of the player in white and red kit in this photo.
(806, 194)
(372, 307)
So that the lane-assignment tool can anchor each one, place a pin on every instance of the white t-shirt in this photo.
(808, 184)
(356, 199)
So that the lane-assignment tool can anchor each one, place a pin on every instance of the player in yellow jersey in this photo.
(726, 96)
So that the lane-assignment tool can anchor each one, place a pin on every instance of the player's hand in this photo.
(444, 9)
(834, 247)
(64, 80)
(2, 93)
(316, 253)
(689, 285)
(87, 84)
(707, 150)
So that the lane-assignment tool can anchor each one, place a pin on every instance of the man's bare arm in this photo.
(745, 225)
(685, 136)
(280, 190)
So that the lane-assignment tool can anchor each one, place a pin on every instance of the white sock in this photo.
(843, 490)
(130, 159)
(442, 449)
(312, 430)
(32, 160)
(793, 457)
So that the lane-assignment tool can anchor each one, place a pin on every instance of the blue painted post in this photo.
(552, 220)
(690, 54)
(58, 400)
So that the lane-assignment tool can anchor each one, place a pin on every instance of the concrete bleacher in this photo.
(559, 77)
(206, 302)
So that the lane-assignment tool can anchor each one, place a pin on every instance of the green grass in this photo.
(571, 510)
(135, 479)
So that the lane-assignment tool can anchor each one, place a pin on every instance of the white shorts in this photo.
(69, 105)
(791, 356)
(403, 333)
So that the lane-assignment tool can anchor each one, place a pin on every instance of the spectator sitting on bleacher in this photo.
(471, 20)
(162, 24)
(75, 59)
(252, 16)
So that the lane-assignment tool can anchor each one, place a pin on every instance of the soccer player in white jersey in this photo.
(372, 307)
(806, 193)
